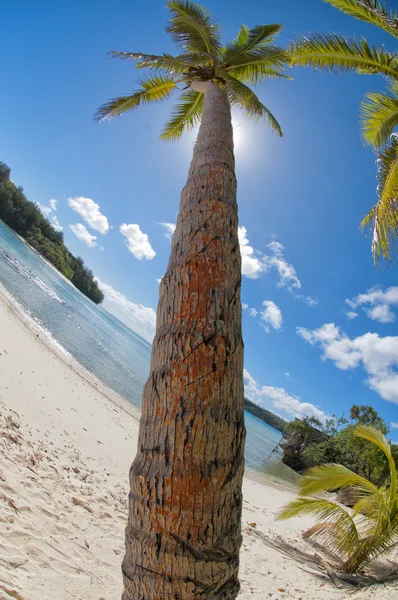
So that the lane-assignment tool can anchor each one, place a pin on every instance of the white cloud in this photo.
(394, 425)
(45, 210)
(305, 334)
(276, 248)
(255, 263)
(351, 314)
(252, 312)
(55, 223)
(279, 399)
(287, 273)
(91, 213)
(137, 241)
(252, 389)
(351, 303)
(292, 405)
(287, 375)
(311, 301)
(251, 265)
(377, 355)
(48, 211)
(170, 229)
(378, 295)
(140, 318)
(271, 315)
(381, 313)
(83, 234)
(377, 303)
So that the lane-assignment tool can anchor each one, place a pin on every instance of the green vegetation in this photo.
(301, 434)
(309, 444)
(344, 447)
(25, 218)
(372, 527)
(379, 111)
(265, 415)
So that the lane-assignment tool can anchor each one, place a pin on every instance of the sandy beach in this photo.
(66, 446)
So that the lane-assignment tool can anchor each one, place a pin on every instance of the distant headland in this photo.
(25, 218)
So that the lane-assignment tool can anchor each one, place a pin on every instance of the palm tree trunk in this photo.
(184, 529)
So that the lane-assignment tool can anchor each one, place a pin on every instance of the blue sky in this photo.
(301, 198)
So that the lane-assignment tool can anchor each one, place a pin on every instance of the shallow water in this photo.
(95, 338)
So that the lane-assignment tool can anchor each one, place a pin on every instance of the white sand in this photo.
(65, 450)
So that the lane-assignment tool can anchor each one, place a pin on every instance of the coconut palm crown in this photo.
(379, 111)
(371, 529)
(249, 59)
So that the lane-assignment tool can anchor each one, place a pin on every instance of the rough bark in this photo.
(184, 529)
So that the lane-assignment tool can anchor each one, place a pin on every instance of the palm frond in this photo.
(336, 536)
(371, 11)
(379, 117)
(326, 478)
(369, 221)
(367, 432)
(249, 40)
(382, 220)
(384, 538)
(371, 546)
(165, 62)
(371, 506)
(243, 97)
(131, 55)
(192, 26)
(153, 89)
(381, 545)
(253, 73)
(335, 527)
(336, 53)
(185, 115)
(323, 510)
(374, 435)
(257, 64)
(241, 37)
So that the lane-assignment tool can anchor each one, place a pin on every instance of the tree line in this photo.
(26, 219)
(309, 444)
(265, 415)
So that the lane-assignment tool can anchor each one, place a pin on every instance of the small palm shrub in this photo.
(370, 529)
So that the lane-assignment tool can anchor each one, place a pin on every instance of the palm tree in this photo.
(379, 111)
(184, 528)
(371, 529)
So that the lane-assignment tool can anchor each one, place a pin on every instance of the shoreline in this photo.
(46, 338)
(65, 451)
(54, 346)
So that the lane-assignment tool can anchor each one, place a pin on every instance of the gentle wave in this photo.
(29, 276)
(91, 340)
(34, 324)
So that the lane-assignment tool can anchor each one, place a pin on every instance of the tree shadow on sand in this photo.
(325, 567)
